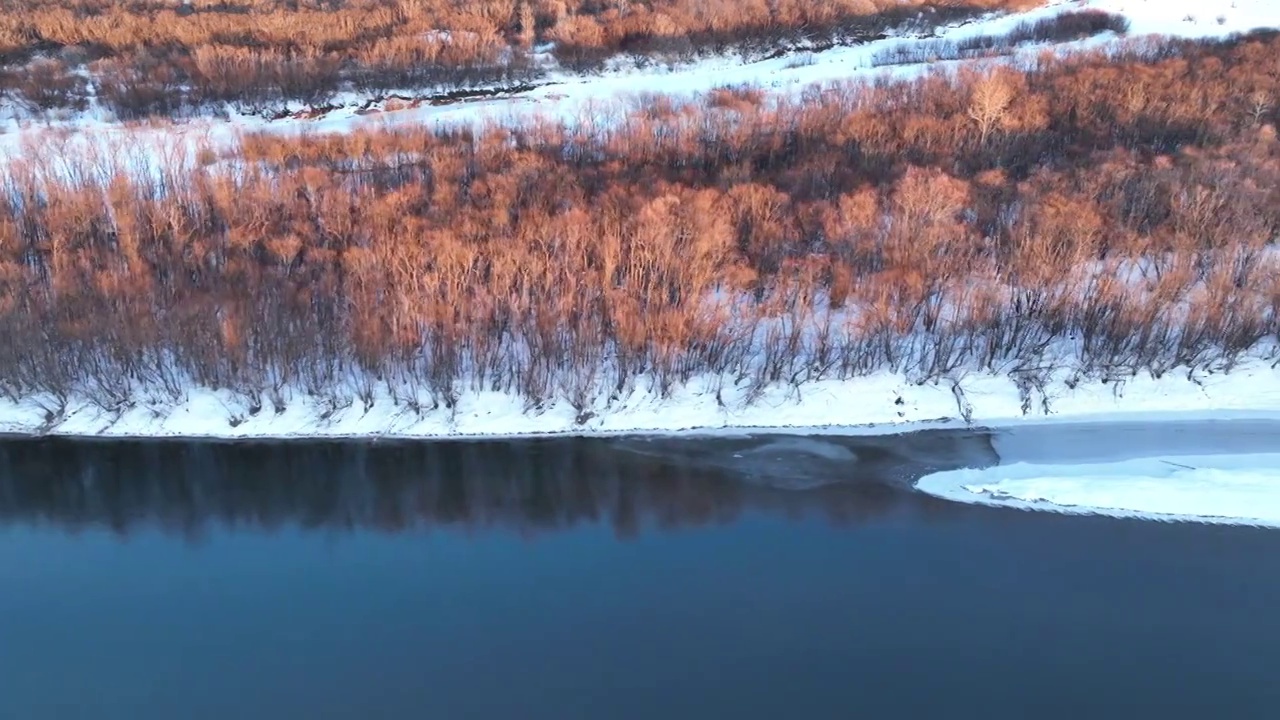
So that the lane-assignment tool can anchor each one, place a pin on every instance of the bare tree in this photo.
(989, 104)
(1259, 104)
(527, 24)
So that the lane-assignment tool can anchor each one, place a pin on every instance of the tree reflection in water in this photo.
(523, 485)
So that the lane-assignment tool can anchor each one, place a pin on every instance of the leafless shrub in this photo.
(726, 237)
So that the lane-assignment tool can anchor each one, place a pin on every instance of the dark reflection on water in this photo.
(528, 485)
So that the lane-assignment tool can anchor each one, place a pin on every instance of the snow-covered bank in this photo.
(1220, 489)
(1223, 472)
(877, 403)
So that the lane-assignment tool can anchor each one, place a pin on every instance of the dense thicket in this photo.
(1106, 214)
(162, 57)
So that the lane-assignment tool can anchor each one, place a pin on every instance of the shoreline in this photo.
(878, 404)
(943, 424)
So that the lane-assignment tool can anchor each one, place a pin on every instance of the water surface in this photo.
(622, 578)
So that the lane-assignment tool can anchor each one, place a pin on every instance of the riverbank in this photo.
(877, 403)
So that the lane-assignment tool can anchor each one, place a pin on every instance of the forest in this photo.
(1099, 213)
(176, 57)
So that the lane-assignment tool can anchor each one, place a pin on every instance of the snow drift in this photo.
(1221, 489)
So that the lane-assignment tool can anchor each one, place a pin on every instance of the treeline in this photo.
(168, 57)
(532, 487)
(1064, 27)
(1105, 214)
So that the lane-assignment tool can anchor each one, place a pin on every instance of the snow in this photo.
(1221, 489)
(877, 403)
(1223, 471)
(1192, 18)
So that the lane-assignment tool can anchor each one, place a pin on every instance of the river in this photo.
(751, 577)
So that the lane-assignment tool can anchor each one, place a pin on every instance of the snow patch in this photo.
(1219, 489)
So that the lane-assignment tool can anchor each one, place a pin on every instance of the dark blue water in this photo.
(602, 579)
